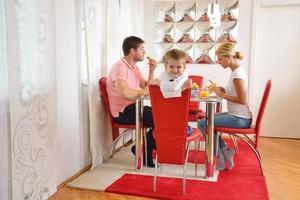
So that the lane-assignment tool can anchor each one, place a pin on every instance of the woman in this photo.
(235, 92)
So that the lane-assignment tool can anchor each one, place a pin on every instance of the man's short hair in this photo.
(131, 42)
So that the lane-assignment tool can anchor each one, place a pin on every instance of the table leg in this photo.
(139, 134)
(218, 110)
(219, 107)
(209, 147)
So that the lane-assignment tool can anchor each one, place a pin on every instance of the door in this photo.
(277, 57)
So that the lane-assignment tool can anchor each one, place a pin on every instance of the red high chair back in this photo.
(114, 125)
(170, 116)
(195, 112)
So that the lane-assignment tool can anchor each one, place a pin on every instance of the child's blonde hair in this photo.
(227, 49)
(175, 54)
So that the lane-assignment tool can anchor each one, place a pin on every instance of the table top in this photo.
(207, 99)
(194, 99)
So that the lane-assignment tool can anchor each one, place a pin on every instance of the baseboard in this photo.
(282, 138)
(74, 176)
(226, 136)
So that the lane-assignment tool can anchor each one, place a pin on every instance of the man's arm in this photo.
(127, 92)
(152, 65)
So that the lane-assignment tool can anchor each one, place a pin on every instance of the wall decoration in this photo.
(185, 25)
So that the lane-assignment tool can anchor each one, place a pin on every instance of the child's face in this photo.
(175, 67)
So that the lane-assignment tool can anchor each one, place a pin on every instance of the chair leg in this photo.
(256, 152)
(115, 142)
(145, 146)
(252, 143)
(235, 144)
(155, 175)
(184, 169)
(197, 151)
(256, 141)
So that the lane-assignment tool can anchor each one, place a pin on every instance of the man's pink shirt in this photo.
(122, 70)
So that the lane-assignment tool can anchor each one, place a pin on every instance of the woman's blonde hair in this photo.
(227, 49)
(175, 54)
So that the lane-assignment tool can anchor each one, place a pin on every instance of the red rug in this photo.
(244, 181)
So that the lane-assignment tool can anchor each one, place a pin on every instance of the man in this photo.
(125, 82)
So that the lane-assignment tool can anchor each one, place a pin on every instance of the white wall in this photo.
(277, 58)
(71, 145)
(213, 72)
(255, 59)
(73, 153)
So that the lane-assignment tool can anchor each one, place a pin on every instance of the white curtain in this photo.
(32, 97)
(95, 23)
(4, 117)
(107, 24)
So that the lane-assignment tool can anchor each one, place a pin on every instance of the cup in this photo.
(194, 92)
(204, 93)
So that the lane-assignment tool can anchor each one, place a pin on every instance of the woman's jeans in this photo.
(225, 120)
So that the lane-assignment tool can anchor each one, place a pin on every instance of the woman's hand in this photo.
(216, 89)
(222, 89)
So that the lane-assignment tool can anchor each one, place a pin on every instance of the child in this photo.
(174, 78)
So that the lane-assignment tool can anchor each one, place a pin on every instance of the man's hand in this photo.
(152, 64)
(145, 91)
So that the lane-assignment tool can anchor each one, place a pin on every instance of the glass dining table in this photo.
(211, 103)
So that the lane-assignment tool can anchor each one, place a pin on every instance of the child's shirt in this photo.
(171, 87)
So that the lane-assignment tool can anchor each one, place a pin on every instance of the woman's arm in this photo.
(240, 90)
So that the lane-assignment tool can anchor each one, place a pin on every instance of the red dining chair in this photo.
(195, 112)
(170, 118)
(116, 135)
(253, 130)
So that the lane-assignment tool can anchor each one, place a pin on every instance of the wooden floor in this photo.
(281, 161)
